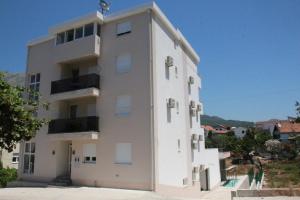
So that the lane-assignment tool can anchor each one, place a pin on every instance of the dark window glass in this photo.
(98, 29)
(78, 32)
(94, 159)
(38, 77)
(88, 29)
(32, 79)
(60, 38)
(73, 111)
(70, 35)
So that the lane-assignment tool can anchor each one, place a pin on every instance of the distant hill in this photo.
(214, 120)
(15, 78)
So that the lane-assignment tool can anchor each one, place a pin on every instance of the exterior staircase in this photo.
(62, 181)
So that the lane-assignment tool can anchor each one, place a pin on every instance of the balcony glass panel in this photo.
(76, 83)
(81, 124)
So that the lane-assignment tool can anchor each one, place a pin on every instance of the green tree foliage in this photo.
(297, 105)
(7, 175)
(254, 140)
(17, 115)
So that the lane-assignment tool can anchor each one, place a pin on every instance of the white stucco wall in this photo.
(169, 125)
(240, 132)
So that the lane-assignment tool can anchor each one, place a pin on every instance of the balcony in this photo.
(71, 129)
(76, 87)
(86, 47)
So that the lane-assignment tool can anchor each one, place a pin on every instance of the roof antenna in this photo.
(104, 6)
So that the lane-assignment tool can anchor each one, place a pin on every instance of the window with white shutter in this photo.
(123, 28)
(123, 63)
(123, 153)
(89, 153)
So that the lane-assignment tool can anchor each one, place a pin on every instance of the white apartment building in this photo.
(124, 106)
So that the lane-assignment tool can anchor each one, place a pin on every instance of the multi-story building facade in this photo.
(124, 105)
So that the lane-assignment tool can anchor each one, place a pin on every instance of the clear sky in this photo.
(250, 49)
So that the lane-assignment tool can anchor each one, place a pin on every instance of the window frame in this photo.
(124, 32)
(120, 69)
(30, 154)
(34, 85)
(119, 109)
(17, 158)
(92, 158)
(129, 156)
(85, 28)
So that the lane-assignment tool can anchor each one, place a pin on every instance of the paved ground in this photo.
(81, 193)
(87, 193)
(267, 198)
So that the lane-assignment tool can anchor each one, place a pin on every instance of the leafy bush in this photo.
(7, 175)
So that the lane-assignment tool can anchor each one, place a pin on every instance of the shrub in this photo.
(7, 175)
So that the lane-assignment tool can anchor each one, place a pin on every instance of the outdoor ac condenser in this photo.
(169, 61)
(171, 103)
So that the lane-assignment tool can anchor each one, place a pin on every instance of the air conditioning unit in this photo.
(193, 112)
(195, 170)
(193, 105)
(169, 61)
(195, 137)
(202, 167)
(201, 138)
(171, 103)
(191, 80)
(199, 108)
(195, 145)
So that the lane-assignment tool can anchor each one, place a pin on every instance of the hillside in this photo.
(15, 78)
(214, 120)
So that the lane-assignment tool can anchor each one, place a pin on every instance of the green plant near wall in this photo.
(7, 175)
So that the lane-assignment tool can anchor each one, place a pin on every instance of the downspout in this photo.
(152, 132)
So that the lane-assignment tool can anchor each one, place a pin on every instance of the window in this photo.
(123, 105)
(89, 153)
(123, 153)
(98, 29)
(60, 38)
(15, 158)
(70, 35)
(88, 29)
(73, 111)
(123, 28)
(78, 32)
(28, 167)
(34, 86)
(123, 63)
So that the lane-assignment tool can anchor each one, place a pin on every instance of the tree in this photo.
(274, 147)
(297, 105)
(17, 114)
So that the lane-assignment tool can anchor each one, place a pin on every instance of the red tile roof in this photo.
(288, 127)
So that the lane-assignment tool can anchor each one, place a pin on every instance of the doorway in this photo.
(204, 180)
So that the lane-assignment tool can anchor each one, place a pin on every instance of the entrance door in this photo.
(69, 159)
(204, 180)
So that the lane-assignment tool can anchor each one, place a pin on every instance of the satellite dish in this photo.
(104, 6)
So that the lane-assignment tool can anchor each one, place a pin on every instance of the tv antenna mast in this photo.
(104, 6)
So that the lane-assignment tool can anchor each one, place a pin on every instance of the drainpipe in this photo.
(152, 132)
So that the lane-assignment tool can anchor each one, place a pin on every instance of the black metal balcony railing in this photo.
(82, 124)
(75, 83)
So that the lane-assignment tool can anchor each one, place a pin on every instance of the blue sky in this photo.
(250, 49)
